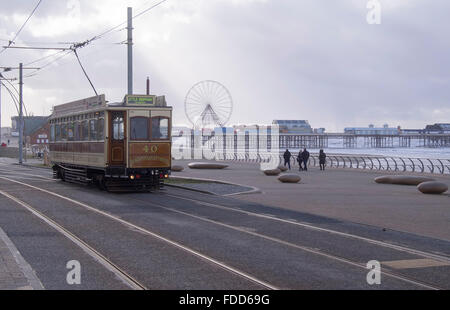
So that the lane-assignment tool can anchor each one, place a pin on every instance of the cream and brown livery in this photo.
(115, 145)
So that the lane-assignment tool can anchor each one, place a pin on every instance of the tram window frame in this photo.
(64, 132)
(160, 118)
(76, 131)
(85, 130)
(93, 123)
(147, 129)
(57, 132)
(101, 128)
(70, 131)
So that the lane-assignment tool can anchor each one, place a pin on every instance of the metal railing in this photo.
(382, 163)
(364, 162)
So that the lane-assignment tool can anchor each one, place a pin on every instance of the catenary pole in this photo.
(20, 113)
(130, 51)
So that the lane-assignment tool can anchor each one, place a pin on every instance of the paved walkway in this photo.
(15, 272)
(347, 194)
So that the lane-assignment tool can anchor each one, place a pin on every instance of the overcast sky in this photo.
(281, 59)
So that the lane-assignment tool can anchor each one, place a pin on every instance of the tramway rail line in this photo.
(409, 250)
(206, 258)
(268, 217)
(433, 256)
(299, 247)
(108, 264)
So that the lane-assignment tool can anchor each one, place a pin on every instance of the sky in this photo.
(318, 60)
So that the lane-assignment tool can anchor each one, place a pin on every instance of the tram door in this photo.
(117, 138)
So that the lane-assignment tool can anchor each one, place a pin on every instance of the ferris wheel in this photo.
(208, 103)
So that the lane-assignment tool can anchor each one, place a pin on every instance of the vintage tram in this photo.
(118, 146)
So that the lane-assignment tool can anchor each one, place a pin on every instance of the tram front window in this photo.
(160, 128)
(139, 128)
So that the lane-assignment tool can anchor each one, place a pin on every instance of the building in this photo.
(178, 131)
(39, 138)
(372, 130)
(6, 131)
(319, 131)
(293, 126)
(412, 131)
(439, 128)
(31, 124)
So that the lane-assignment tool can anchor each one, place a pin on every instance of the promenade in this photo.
(346, 194)
(181, 239)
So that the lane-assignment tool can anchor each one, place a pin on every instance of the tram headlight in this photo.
(132, 177)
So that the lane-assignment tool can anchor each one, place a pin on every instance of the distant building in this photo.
(293, 126)
(40, 136)
(372, 130)
(319, 130)
(412, 131)
(6, 131)
(31, 123)
(438, 128)
(178, 131)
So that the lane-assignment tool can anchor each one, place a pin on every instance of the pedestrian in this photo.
(300, 160)
(322, 159)
(287, 158)
(305, 156)
(8, 141)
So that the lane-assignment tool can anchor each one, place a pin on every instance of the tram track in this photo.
(322, 253)
(103, 260)
(111, 266)
(388, 273)
(408, 250)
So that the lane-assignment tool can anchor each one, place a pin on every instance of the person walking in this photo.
(287, 158)
(322, 159)
(300, 160)
(305, 156)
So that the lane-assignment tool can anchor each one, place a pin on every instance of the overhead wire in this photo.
(14, 99)
(17, 92)
(10, 42)
(84, 71)
(75, 46)
(44, 58)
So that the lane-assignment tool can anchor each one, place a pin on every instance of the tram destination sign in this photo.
(140, 100)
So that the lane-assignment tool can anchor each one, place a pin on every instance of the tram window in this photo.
(70, 133)
(76, 130)
(64, 132)
(139, 128)
(52, 133)
(57, 132)
(93, 131)
(85, 130)
(118, 127)
(101, 128)
(160, 128)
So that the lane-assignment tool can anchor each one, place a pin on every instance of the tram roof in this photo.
(99, 103)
